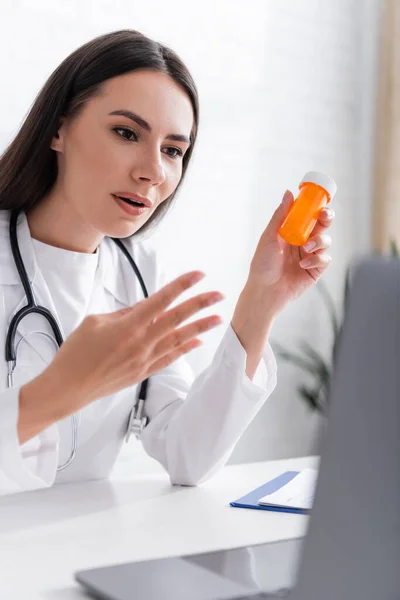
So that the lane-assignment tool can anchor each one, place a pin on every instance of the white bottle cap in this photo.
(321, 179)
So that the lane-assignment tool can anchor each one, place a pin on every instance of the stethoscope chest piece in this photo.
(137, 422)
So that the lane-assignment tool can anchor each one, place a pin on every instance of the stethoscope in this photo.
(137, 422)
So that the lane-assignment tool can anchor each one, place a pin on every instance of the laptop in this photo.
(352, 548)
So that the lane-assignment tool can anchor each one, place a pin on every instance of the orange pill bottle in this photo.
(316, 191)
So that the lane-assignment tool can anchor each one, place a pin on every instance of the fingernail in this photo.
(329, 213)
(305, 263)
(216, 298)
(286, 198)
(216, 321)
(197, 277)
(309, 246)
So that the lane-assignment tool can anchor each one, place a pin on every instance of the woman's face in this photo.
(102, 155)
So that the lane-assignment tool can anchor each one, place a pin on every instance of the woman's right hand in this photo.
(109, 352)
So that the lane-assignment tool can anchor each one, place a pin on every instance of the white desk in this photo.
(45, 536)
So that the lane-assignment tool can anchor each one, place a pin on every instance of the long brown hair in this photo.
(28, 167)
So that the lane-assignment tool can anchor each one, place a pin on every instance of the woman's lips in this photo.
(129, 208)
(135, 197)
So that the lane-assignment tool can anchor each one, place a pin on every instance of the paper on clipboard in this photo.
(297, 493)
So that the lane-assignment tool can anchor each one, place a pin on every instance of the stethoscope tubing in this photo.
(33, 307)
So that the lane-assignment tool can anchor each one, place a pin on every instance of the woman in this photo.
(100, 158)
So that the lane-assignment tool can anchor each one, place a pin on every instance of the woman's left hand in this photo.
(287, 271)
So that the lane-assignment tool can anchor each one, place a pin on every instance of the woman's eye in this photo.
(129, 135)
(126, 131)
(177, 152)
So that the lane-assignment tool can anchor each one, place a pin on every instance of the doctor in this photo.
(99, 159)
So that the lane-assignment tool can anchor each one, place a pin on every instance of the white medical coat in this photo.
(194, 423)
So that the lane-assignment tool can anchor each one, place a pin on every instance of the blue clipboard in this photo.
(251, 499)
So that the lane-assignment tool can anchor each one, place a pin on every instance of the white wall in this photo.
(285, 87)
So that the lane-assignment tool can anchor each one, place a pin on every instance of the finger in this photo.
(171, 319)
(327, 214)
(316, 261)
(325, 220)
(166, 360)
(183, 335)
(318, 243)
(279, 216)
(151, 307)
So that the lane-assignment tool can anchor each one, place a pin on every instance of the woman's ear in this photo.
(57, 143)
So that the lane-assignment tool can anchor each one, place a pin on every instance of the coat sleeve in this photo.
(29, 466)
(194, 423)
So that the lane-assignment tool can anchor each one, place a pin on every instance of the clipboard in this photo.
(251, 499)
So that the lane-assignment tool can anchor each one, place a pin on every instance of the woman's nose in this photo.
(150, 168)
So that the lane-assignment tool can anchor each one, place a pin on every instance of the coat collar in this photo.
(108, 271)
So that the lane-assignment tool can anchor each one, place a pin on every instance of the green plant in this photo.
(309, 360)
(394, 251)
